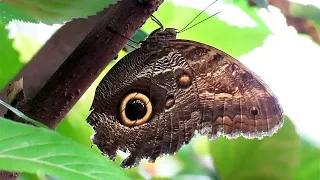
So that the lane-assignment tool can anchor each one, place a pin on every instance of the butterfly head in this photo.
(160, 33)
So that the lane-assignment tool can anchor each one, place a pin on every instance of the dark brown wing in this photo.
(191, 86)
(175, 109)
(233, 100)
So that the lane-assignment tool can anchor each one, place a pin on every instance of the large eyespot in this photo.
(135, 109)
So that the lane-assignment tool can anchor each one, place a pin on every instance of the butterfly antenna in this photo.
(199, 22)
(156, 21)
(197, 16)
(113, 31)
(126, 49)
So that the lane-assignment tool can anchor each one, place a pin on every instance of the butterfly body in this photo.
(154, 100)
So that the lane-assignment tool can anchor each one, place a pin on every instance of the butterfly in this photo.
(154, 100)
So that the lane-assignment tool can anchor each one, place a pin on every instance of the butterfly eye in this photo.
(135, 109)
(254, 111)
(217, 57)
(169, 102)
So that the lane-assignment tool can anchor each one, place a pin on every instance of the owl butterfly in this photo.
(154, 99)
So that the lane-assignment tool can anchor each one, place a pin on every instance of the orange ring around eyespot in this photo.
(123, 117)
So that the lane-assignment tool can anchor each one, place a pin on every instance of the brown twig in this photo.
(86, 62)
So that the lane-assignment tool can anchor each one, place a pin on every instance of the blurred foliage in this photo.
(309, 166)
(9, 59)
(305, 18)
(275, 157)
(282, 156)
(9, 13)
(50, 11)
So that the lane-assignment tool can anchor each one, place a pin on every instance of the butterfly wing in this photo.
(175, 109)
(190, 86)
(233, 100)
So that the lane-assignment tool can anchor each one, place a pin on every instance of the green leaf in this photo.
(9, 58)
(310, 163)
(9, 13)
(57, 12)
(215, 32)
(29, 149)
(28, 176)
(133, 173)
(275, 157)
